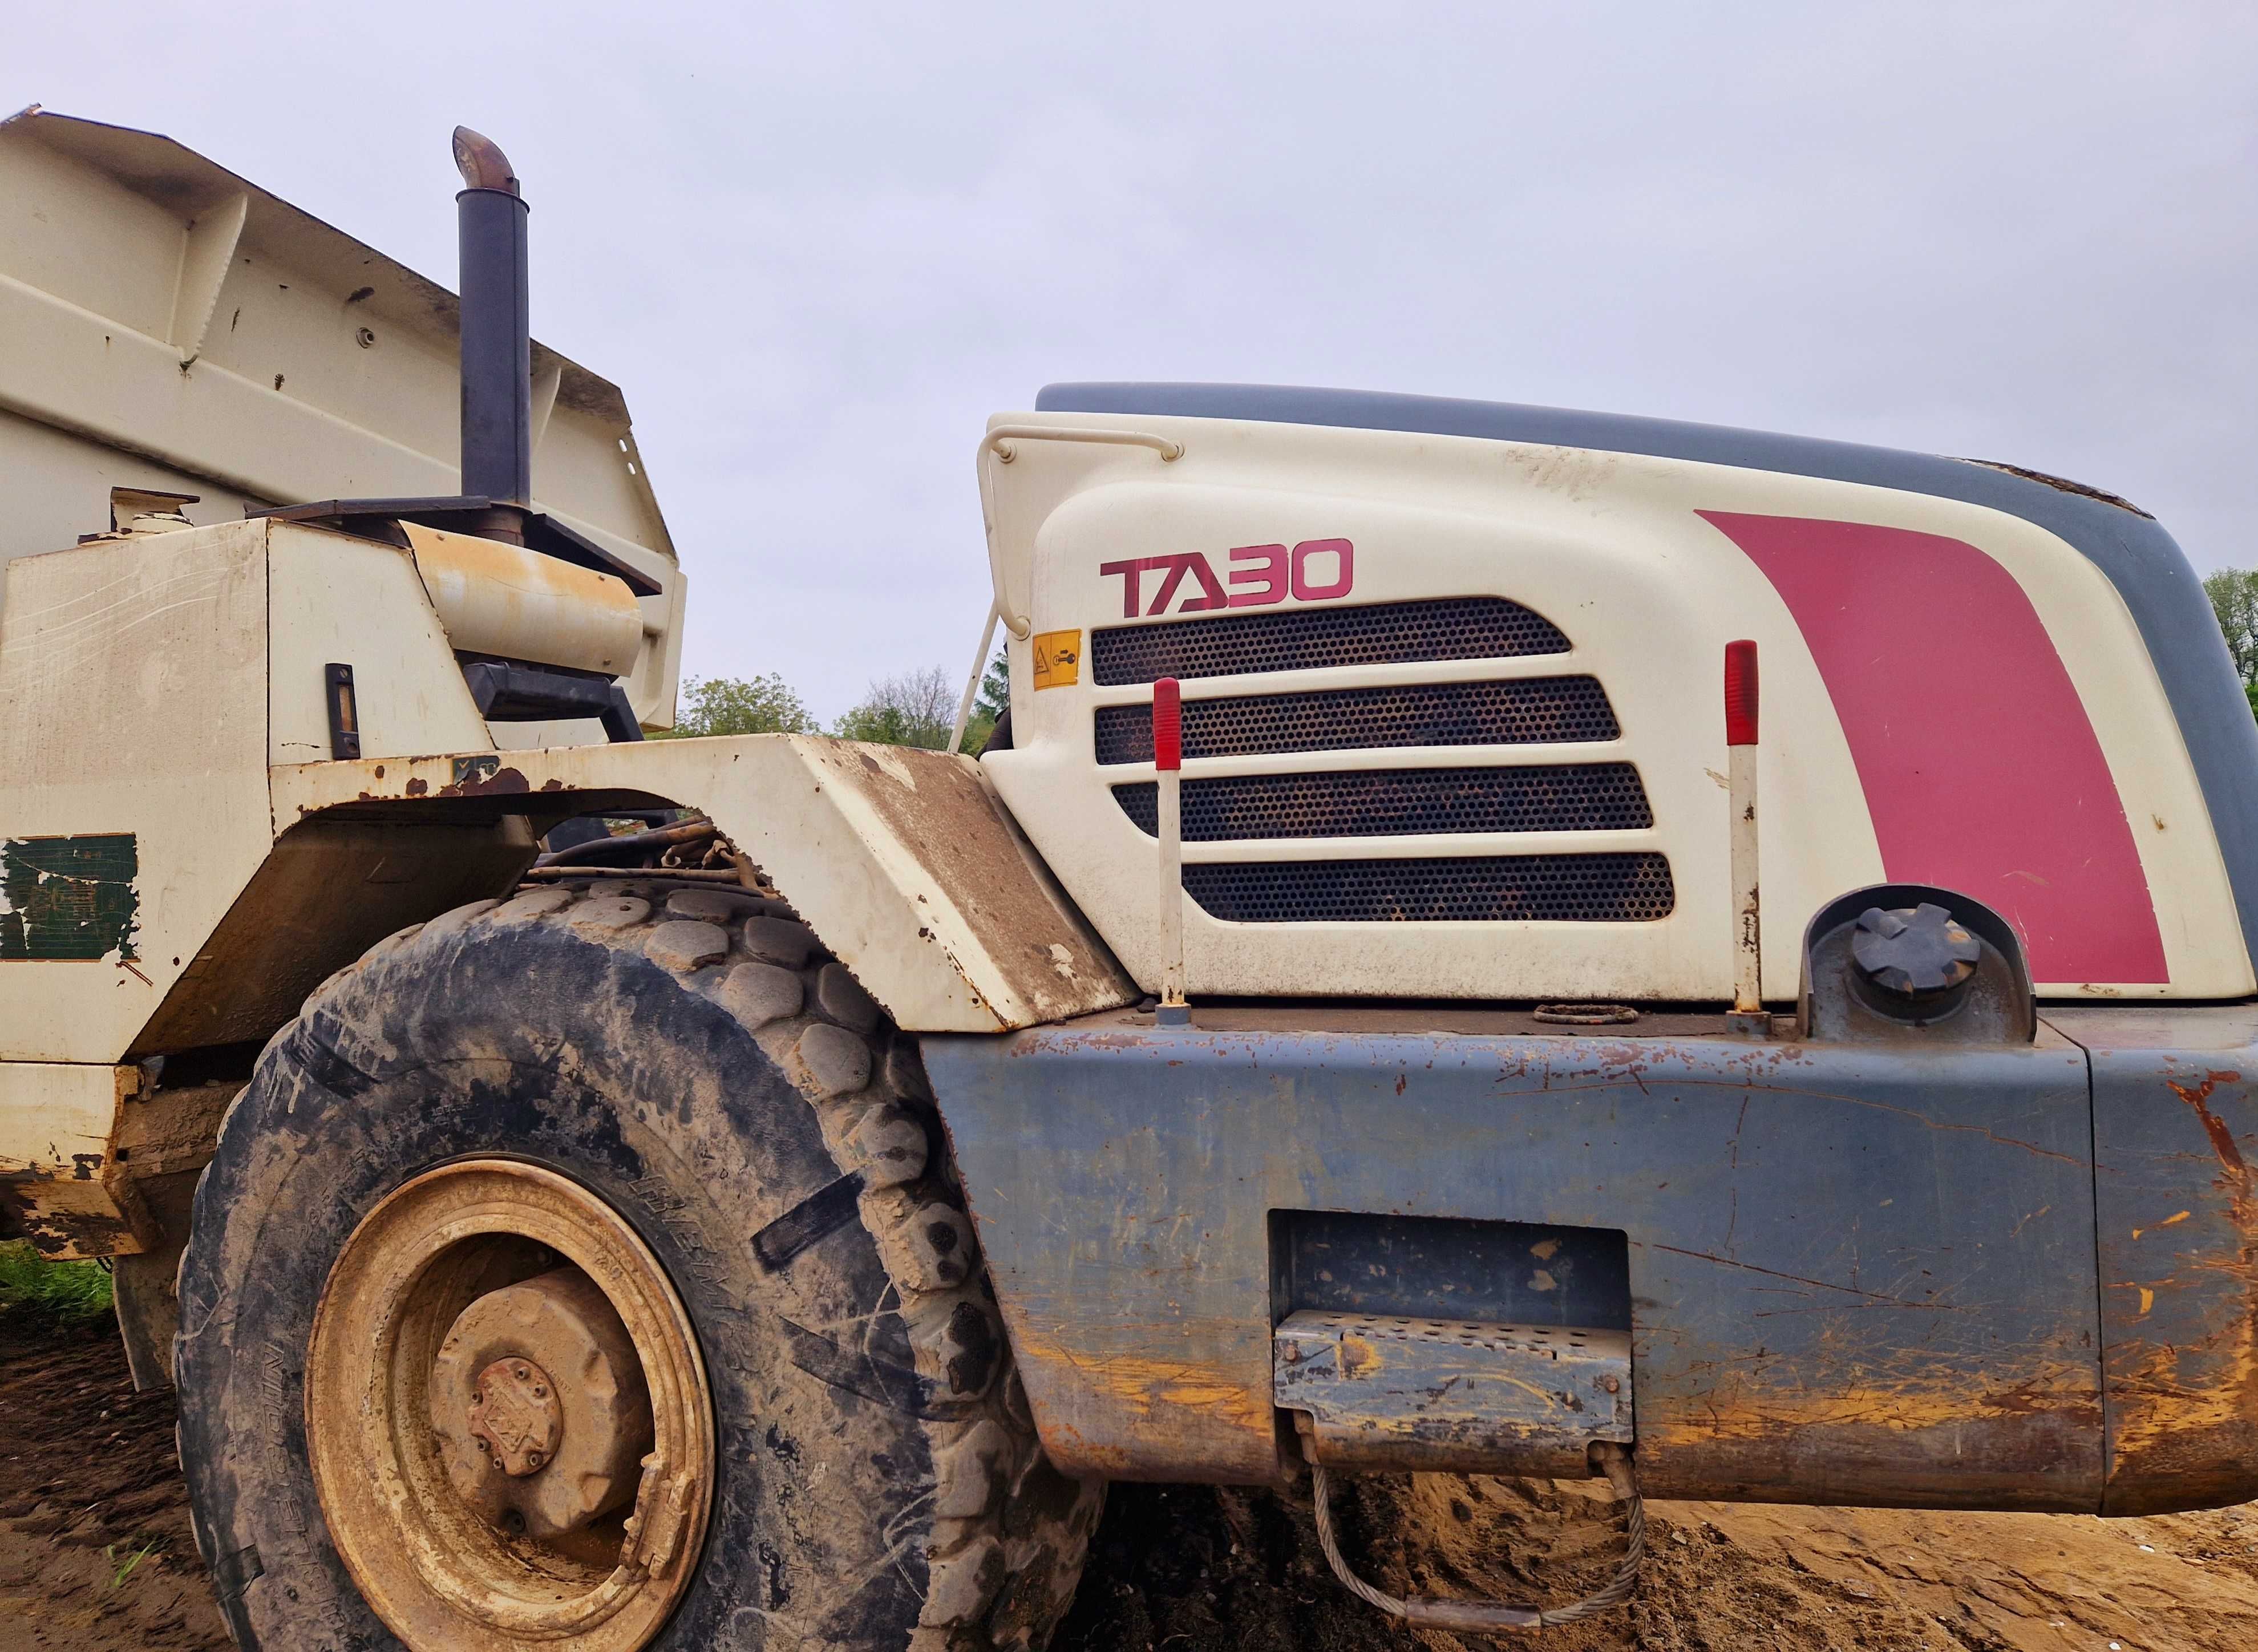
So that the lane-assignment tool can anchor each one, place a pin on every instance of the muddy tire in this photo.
(695, 1062)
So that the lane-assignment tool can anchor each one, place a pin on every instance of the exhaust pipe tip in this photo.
(481, 162)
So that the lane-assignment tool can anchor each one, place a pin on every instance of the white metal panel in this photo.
(1608, 547)
(901, 860)
(75, 479)
(133, 700)
(56, 1126)
(336, 599)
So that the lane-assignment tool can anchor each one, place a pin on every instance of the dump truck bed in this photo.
(166, 325)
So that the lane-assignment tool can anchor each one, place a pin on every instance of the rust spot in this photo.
(1069, 1443)
(2033, 1399)
(418, 786)
(501, 782)
(2061, 484)
(2185, 1404)
(2237, 1179)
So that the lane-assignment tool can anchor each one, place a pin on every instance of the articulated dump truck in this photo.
(1491, 940)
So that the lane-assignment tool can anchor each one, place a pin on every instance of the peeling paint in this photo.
(69, 898)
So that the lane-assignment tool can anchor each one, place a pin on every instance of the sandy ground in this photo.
(88, 1481)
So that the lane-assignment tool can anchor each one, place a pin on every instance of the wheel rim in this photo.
(434, 1426)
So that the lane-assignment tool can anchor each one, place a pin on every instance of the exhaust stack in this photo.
(497, 349)
(496, 502)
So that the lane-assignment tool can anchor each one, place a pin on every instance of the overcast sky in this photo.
(817, 245)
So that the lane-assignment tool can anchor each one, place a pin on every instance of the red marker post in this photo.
(1168, 762)
(1741, 791)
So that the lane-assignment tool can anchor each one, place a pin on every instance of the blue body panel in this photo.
(2176, 1132)
(1856, 1274)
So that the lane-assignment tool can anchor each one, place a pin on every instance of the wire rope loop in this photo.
(1488, 1616)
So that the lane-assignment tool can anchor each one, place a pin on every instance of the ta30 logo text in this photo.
(1315, 570)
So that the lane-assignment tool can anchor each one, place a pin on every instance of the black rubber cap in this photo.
(1916, 953)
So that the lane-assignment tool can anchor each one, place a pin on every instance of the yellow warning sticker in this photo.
(1058, 658)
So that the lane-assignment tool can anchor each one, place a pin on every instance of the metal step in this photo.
(1382, 1391)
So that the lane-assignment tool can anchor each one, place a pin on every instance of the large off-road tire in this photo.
(690, 1066)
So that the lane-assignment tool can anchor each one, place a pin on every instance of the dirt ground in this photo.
(88, 1482)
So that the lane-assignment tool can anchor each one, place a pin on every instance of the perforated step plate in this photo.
(1380, 1392)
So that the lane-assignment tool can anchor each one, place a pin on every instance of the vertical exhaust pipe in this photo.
(497, 354)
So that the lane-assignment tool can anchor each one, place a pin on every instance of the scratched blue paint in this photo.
(1857, 1275)
(2176, 1138)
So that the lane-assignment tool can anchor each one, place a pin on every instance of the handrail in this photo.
(999, 440)
(972, 682)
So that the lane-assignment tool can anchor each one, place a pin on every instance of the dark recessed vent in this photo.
(1308, 639)
(1400, 801)
(1522, 711)
(1592, 888)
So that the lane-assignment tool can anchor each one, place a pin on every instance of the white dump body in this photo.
(165, 325)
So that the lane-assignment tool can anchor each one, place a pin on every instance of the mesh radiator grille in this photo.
(1397, 803)
(1602, 888)
(1308, 639)
(1522, 711)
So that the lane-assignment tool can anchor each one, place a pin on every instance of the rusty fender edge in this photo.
(902, 860)
(1855, 1275)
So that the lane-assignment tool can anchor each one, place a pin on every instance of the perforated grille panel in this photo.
(1400, 801)
(1526, 712)
(1593, 889)
(1306, 639)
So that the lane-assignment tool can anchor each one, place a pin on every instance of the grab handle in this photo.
(999, 441)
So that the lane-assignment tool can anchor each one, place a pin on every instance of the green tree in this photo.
(993, 699)
(917, 708)
(995, 689)
(739, 705)
(2233, 593)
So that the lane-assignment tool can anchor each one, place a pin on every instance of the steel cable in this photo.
(1487, 1616)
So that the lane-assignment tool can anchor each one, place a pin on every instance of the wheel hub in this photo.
(511, 1432)
(514, 1418)
(529, 1451)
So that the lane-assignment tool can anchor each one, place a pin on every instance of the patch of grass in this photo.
(60, 1294)
(121, 1569)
